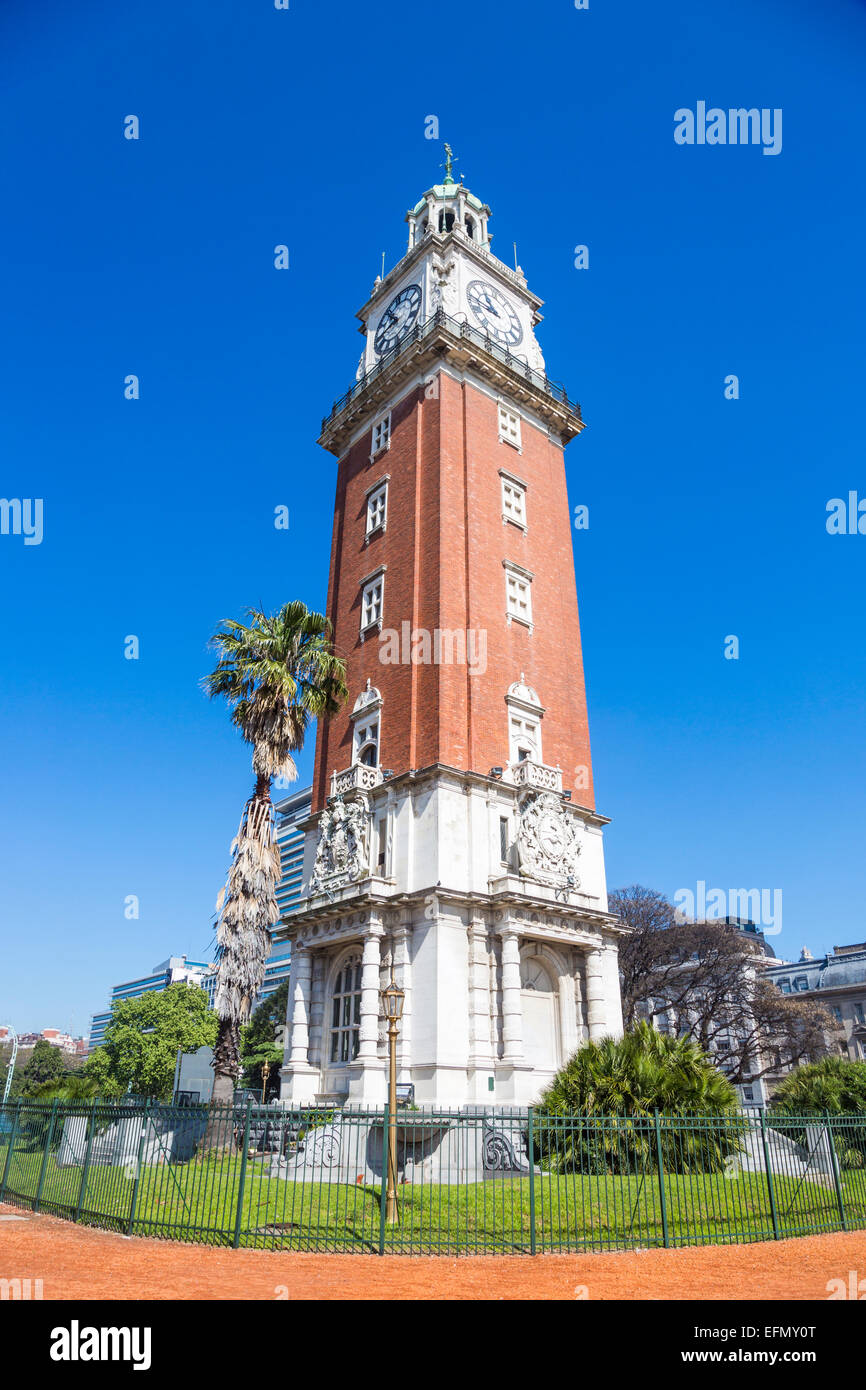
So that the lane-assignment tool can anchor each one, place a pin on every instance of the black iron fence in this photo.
(468, 1180)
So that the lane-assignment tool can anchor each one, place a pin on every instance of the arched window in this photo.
(470, 228)
(367, 743)
(446, 221)
(346, 1011)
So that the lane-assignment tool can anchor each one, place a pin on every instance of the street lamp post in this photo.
(266, 1071)
(392, 999)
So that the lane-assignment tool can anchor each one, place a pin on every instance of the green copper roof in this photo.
(442, 192)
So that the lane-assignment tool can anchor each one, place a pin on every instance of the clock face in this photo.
(397, 319)
(494, 313)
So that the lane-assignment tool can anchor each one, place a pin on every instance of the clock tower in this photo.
(454, 842)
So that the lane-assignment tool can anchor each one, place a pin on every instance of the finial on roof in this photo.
(449, 155)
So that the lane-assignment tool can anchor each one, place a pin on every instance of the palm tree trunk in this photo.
(243, 935)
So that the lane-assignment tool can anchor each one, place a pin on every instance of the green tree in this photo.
(832, 1084)
(261, 1040)
(143, 1036)
(276, 673)
(44, 1065)
(97, 1069)
(631, 1078)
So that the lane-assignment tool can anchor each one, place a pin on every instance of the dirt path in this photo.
(74, 1262)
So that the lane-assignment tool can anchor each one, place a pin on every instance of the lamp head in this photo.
(392, 1001)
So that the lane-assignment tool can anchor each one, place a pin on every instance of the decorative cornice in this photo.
(426, 345)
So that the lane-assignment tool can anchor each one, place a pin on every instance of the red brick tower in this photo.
(454, 791)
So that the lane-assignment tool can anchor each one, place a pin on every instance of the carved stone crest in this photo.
(547, 841)
(443, 291)
(342, 854)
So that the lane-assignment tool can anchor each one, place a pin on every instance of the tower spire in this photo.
(449, 155)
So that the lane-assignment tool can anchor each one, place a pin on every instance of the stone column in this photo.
(512, 1012)
(595, 1001)
(577, 959)
(568, 1032)
(482, 1048)
(403, 977)
(367, 1073)
(370, 965)
(301, 993)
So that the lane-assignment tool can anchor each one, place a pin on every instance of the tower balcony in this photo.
(357, 778)
(539, 776)
(425, 344)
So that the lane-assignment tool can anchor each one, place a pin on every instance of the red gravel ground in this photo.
(75, 1262)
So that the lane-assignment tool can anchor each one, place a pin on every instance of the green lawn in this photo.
(197, 1201)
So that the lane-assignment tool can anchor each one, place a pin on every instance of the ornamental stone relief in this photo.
(547, 841)
(342, 854)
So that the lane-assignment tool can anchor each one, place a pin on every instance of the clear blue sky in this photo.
(707, 516)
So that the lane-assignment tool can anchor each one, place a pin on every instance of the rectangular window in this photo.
(509, 426)
(859, 1014)
(503, 839)
(381, 435)
(514, 502)
(518, 597)
(383, 841)
(377, 509)
(371, 603)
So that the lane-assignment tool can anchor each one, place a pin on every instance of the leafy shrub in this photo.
(834, 1085)
(598, 1114)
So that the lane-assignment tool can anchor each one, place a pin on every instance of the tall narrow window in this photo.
(518, 594)
(513, 501)
(367, 742)
(381, 435)
(371, 603)
(509, 426)
(503, 839)
(383, 843)
(346, 1012)
(377, 509)
(524, 739)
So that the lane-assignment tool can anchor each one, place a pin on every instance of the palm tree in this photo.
(277, 673)
(597, 1114)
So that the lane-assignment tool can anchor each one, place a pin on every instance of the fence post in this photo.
(243, 1176)
(530, 1140)
(768, 1170)
(382, 1203)
(661, 1166)
(91, 1126)
(49, 1135)
(12, 1137)
(137, 1176)
(836, 1179)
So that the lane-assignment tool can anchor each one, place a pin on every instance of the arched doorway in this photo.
(540, 1015)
